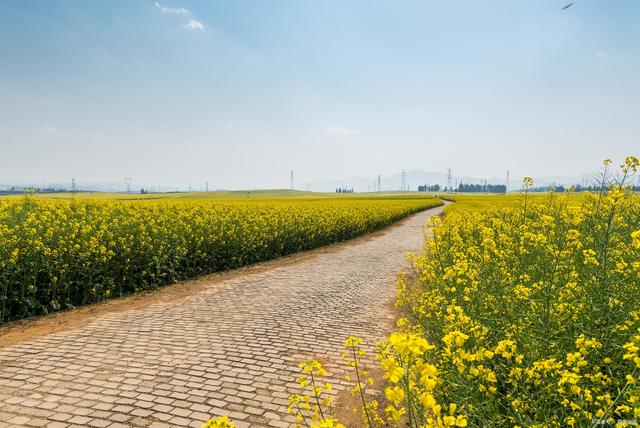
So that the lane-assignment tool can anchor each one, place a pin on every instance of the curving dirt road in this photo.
(230, 344)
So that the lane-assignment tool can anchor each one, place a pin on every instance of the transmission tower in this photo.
(379, 184)
(127, 182)
(404, 180)
(449, 180)
(206, 186)
(291, 184)
(507, 186)
(73, 184)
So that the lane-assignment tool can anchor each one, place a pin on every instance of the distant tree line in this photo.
(429, 188)
(562, 189)
(465, 188)
(16, 190)
(344, 190)
(482, 188)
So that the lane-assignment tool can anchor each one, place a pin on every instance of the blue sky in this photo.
(240, 92)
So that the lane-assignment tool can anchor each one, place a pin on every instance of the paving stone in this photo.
(232, 348)
(60, 417)
(99, 423)
(19, 420)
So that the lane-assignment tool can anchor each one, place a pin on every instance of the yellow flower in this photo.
(527, 182)
(461, 421)
(302, 381)
(220, 422)
(408, 344)
(427, 400)
(394, 414)
(630, 164)
(328, 423)
(393, 371)
(394, 394)
(449, 421)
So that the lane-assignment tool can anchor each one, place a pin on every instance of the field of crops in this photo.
(58, 254)
(485, 202)
(522, 312)
(525, 315)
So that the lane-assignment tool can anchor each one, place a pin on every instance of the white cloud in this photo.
(52, 130)
(194, 25)
(341, 130)
(172, 10)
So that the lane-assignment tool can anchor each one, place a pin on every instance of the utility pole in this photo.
(128, 181)
(449, 180)
(291, 184)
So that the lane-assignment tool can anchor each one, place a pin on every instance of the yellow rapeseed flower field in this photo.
(58, 254)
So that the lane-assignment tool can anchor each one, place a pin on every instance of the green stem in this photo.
(408, 393)
(364, 403)
(313, 385)
(302, 414)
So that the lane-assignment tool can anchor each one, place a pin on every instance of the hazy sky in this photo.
(240, 92)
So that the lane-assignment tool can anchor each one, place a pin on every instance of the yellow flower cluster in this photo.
(531, 312)
(406, 358)
(63, 253)
(309, 408)
(220, 422)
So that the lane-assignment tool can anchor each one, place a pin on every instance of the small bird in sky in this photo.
(567, 6)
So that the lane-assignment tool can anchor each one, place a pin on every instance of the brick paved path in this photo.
(232, 348)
